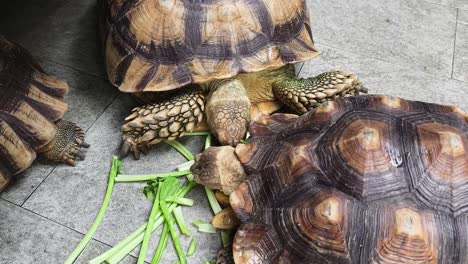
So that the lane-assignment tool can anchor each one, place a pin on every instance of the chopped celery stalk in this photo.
(247, 135)
(197, 223)
(162, 245)
(200, 133)
(180, 200)
(192, 247)
(190, 177)
(115, 168)
(123, 248)
(226, 238)
(149, 228)
(175, 238)
(208, 141)
(137, 178)
(207, 228)
(185, 166)
(119, 246)
(181, 148)
(179, 217)
(215, 207)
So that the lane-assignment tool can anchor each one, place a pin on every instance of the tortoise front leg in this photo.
(228, 111)
(172, 115)
(66, 145)
(303, 95)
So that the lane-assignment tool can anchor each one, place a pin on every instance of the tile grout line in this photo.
(70, 67)
(455, 43)
(29, 196)
(37, 187)
(449, 6)
(55, 222)
(393, 63)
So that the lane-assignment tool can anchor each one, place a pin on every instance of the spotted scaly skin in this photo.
(303, 95)
(228, 111)
(167, 118)
(66, 145)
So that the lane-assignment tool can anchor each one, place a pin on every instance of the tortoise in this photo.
(31, 107)
(364, 179)
(220, 59)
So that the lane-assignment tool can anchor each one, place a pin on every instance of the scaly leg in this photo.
(173, 114)
(67, 144)
(303, 95)
(228, 111)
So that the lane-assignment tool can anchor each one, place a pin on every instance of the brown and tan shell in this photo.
(367, 179)
(159, 45)
(30, 103)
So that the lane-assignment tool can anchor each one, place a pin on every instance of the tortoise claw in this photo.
(67, 145)
(81, 155)
(124, 149)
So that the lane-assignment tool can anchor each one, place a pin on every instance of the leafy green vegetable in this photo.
(149, 226)
(175, 238)
(197, 223)
(212, 200)
(138, 178)
(192, 247)
(185, 166)
(115, 169)
(162, 245)
(181, 148)
(181, 222)
(123, 248)
(200, 133)
(180, 200)
(206, 228)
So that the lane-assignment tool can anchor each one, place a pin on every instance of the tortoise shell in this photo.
(367, 179)
(158, 45)
(30, 102)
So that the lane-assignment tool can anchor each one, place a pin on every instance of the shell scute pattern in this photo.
(31, 102)
(197, 41)
(367, 179)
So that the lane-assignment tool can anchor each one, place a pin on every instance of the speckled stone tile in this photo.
(29, 238)
(453, 3)
(381, 77)
(460, 65)
(411, 33)
(61, 31)
(72, 196)
(88, 98)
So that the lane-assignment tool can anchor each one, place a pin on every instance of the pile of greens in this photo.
(167, 194)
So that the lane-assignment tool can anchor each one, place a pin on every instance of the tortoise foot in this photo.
(303, 95)
(67, 144)
(168, 118)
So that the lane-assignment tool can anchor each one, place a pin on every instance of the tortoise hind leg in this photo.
(173, 114)
(303, 95)
(67, 144)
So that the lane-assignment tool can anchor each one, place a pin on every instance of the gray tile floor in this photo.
(411, 48)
